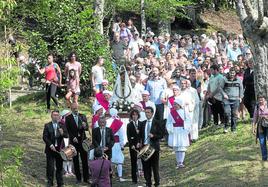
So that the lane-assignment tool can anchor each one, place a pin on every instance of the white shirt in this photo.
(98, 74)
(55, 126)
(134, 47)
(146, 137)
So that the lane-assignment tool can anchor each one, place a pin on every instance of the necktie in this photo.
(76, 119)
(135, 124)
(148, 131)
(103, 137)
(55, 126)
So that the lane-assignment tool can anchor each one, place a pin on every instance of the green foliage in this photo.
(155, 10)
(11, 160)
(8, 75)
(5, 7)
(61, 27)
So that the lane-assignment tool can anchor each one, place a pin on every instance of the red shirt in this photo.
(50, 73)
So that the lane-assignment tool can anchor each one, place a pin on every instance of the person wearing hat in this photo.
(100, 169)
(115, 123)
(98, 111)
(178, 127)
(146, 103)
(103, 99)
(176, 93)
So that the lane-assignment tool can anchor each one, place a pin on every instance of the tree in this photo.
(99, 8)
(160, 11)
(143, 19)
(254, 20)
(61, 27)
(9, 74)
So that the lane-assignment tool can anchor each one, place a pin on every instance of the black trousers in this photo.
(217, 110)
(159, 113)
(83, 156)
(249, 103)
(152, 165)
(134, 166)
(51, 90)
(53, 158)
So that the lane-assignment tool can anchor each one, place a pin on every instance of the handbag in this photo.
(263, 122)
(96, 182)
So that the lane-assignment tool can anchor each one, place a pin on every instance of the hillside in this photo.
(216, 159)
(224, 20)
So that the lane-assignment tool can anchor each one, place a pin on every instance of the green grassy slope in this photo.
(216, 159)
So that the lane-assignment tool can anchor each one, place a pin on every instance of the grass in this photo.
(216, 159)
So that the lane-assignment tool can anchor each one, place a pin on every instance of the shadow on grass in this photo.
(38, 97)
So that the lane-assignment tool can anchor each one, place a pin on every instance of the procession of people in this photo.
(178, 85)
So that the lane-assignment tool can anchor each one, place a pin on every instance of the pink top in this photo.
(50, 73)
(76, 66)
(263, 111)
(73, 85)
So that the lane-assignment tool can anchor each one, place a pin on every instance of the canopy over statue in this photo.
(122, 98)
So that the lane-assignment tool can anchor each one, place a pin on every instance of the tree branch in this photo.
(264, 26)
(252, 14)
(241, 10)
(260, 13)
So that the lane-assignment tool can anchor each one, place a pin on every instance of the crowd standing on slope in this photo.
(181, 83)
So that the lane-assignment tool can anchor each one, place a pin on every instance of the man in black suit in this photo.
(76, 125)
(151, 133)
(103, 137)
(249, 94)
(133, 142)
(53, 135)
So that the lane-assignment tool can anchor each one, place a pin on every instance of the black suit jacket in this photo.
(109, 139)
(248, 83)
(75, 131)
(132, 135)
(50, 138)
(156, 130)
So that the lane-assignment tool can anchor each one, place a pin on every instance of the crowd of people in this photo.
(178, 83)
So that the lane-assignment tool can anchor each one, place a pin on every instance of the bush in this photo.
(62, 27)
(11, 160)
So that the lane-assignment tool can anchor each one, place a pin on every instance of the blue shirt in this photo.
(232, 54)
(155, 88)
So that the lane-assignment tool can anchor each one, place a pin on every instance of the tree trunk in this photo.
(217, 5)
(254, 21)
(164, 26)
(143, 19)
(99, 7)
(260, 52)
